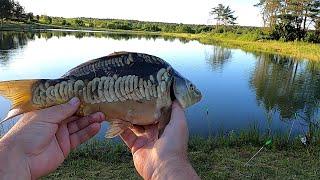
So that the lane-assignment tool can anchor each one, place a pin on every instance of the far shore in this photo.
(299, 50)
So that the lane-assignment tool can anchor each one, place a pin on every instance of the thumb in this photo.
(177, 125)
(56, 114)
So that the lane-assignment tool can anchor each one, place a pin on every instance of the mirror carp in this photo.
(129, 88)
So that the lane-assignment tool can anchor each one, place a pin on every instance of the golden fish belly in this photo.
(137, 113)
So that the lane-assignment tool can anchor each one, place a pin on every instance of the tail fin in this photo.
(20, 95)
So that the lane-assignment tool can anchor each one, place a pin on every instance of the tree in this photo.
(218, 13)
(228, 17)
(78, 22)
(30, 16)
(37, 18)
(6, 7)
(223, 15)
(18, 10)
(269, 11)
(289, 19)
(64, 22)
(10, 9)
(45, 19)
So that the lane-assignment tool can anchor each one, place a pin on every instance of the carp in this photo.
(129, 88)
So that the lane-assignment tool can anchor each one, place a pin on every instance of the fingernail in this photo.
(74, 101)
(98, 115)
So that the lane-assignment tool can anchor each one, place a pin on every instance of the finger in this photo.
(61, 112)
(83, 135)
(129, 138)
(70, 119)
(62, 136)
(178, 122)
(138, 130)
(151, 132)
(83, 122)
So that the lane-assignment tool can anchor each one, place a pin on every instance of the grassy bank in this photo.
(248, 42)
(219, 157)
(300, 50)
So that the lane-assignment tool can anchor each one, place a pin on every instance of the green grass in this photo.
(247, 42)
(219, 157)
(300, 50)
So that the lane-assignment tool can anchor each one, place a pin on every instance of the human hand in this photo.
(164, 157)
(41, 140)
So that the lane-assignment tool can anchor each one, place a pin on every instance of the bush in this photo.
(184, 29)
(45, 19)
(151, 27)
(78, 22)
(313, 37)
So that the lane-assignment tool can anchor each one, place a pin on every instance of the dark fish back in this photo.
(120, 64)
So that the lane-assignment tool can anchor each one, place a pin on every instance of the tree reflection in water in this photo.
(218, 57)
(289, 86)
(11, 41)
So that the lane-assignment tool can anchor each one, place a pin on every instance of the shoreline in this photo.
(299, 50)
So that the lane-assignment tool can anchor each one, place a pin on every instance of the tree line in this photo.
(287, 20)
(291, 19)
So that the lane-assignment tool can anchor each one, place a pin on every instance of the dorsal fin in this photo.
(94, 61)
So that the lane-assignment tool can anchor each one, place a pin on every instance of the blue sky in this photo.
(178, 11)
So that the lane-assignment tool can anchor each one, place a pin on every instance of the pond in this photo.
(240, 89)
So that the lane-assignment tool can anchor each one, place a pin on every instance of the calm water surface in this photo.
(240, 89)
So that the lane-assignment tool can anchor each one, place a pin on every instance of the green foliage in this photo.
(6, 7)
(284, 31)
(313, 37)
(150, 27)
(184, 29)
(45, 19)
(64, 22)
(289, 20)
(78, 22)
(10, 9)
(116, 24)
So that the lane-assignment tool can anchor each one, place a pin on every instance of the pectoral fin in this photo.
(117, 127)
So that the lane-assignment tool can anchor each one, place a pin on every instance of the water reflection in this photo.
(218, 57)
(288, 86)
(8, 41)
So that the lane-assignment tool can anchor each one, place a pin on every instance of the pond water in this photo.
(240, 89)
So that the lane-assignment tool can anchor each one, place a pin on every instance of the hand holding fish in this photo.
(41, 140)
(131, 90)
(164, 157)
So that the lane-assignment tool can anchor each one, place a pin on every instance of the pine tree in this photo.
(223, 15)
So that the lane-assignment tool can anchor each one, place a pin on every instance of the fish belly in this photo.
(137, 113)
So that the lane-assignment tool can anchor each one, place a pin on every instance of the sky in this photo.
(176, 11)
